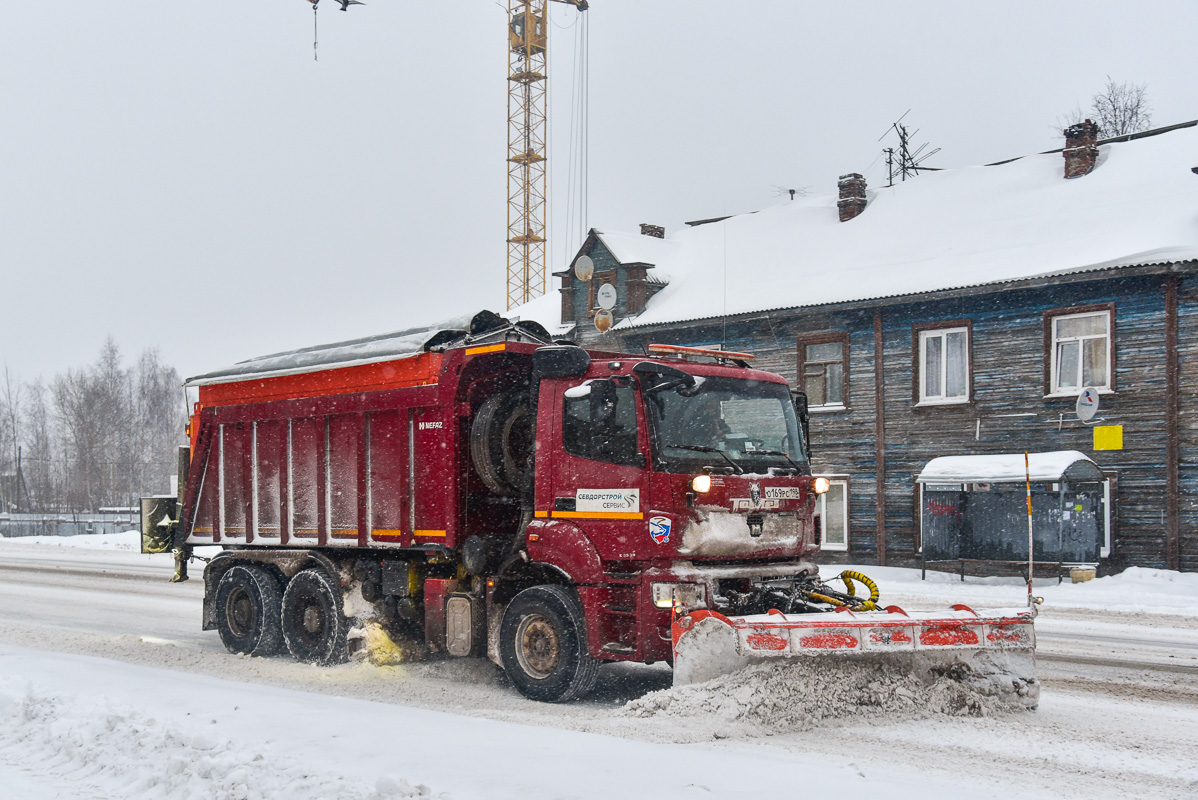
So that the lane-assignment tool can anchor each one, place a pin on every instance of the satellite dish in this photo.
(584, 268)
(1087, 404)
(603, 321)
(606, 296)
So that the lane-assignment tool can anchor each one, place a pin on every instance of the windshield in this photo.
(739, 425)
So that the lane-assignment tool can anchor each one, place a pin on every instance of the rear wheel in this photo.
(248, 611)
(542, 643)
(314, 623)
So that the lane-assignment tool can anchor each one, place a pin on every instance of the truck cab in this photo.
(664, 484)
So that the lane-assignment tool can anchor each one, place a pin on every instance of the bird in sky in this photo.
(345, 4)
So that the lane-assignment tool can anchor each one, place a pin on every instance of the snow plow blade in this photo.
(996, 646)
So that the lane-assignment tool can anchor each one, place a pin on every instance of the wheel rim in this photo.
(538, 646)
(239, 612)
(312, 621)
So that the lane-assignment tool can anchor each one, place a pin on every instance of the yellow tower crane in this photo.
(528, 40)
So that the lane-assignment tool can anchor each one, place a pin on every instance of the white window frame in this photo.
(1055, 389)
(821, 508)
(942, 400)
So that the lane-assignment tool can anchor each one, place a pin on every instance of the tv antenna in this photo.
(783, 191)
(902, 161)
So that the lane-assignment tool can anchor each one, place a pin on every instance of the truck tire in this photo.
(543, 646)
(501, 443)
(313, 618)
(248, 611)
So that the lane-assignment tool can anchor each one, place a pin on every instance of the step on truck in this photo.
(498, 494)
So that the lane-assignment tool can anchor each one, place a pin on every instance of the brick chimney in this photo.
(656, 231)
(852, 195)
(1081, 148)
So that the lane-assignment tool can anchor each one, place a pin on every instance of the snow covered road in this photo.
(109, 689)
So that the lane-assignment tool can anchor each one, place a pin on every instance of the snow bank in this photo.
(124, 542)
(129, 541)
(123, 753)
(1135, 590)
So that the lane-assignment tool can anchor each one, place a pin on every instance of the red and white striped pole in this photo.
(1027, 469)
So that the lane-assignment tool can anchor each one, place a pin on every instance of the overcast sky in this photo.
(183, 175)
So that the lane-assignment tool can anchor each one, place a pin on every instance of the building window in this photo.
(1079, 351)
(823, 369)
(833, 508)
(943, 373)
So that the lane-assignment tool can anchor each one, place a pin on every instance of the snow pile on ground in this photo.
(118, 752)
(126, 540)
(785, 695)
(1135, 590)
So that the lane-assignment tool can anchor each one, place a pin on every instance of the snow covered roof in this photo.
(382, 347)
(631, 248)
(1009, 468)
(944, 230)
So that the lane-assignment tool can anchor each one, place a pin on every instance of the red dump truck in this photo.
(497, 493)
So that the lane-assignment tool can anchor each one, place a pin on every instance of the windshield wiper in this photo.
(793, 463)
(698, 448)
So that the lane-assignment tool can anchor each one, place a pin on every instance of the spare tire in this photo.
(501, 443)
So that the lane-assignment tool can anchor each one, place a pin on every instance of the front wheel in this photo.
(314, 623)
(542, 643)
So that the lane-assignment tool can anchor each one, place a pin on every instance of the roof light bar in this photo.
(686, 352)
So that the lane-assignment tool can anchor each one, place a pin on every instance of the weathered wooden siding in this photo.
(1007, 377)
(1187, 358)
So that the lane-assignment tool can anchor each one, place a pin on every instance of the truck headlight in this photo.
(701, 483)
(821, 485)
(669, 595)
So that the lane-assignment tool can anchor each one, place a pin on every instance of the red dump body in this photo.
(377, 457)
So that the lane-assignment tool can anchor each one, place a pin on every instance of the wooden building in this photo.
(958, 313)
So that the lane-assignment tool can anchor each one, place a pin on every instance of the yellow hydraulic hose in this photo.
(823, 598)
(848, 576)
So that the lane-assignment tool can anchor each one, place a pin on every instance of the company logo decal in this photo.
(627, 500)
(424, 426)
(659, 529)
(755, 492)
(748, 504)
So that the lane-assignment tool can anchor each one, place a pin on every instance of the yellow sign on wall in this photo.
(1108, 437)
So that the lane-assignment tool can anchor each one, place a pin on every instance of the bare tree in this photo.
(102, 435)
(41, 463)
(1120, 108)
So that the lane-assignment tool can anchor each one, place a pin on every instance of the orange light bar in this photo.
(670, 349)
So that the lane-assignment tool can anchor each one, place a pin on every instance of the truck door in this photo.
(600, 477)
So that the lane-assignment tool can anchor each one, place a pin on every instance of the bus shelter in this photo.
(973, 510)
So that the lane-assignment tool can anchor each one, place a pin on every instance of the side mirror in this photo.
(800, 401)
